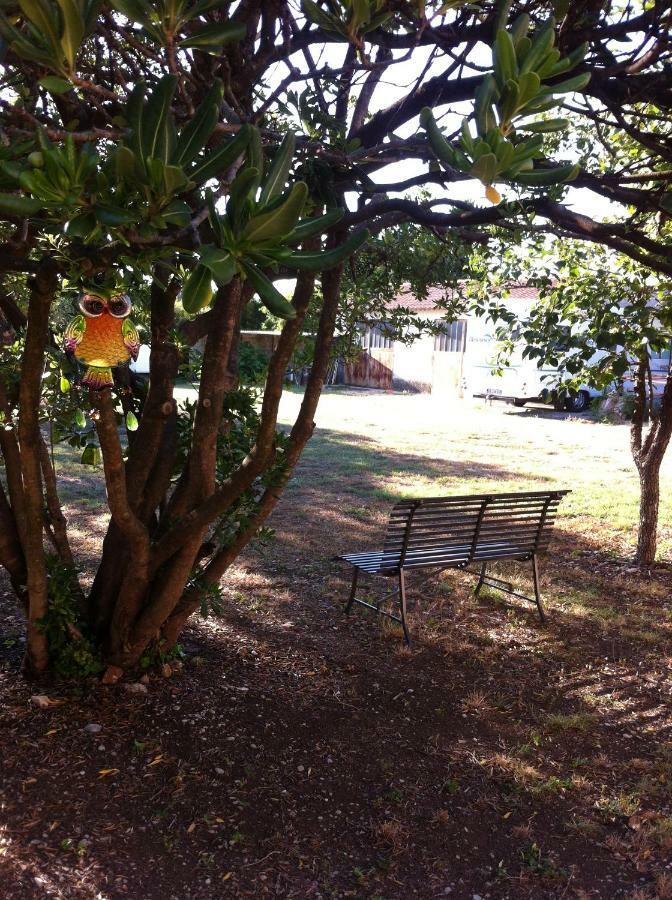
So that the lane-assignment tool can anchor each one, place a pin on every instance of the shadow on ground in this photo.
(296, 753)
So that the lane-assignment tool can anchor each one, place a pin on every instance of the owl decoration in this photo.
(102, 337)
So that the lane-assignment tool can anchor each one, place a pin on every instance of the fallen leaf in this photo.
(104, 772)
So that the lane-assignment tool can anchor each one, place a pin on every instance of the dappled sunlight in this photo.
(299, 735)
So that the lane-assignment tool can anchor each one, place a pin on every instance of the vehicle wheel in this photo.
(519, 402)
(578, 402)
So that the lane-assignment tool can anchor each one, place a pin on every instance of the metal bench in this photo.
(451, 533)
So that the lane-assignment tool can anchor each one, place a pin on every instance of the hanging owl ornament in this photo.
(102, 337)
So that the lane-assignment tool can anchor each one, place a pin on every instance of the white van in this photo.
(521, 381)
(141, 365)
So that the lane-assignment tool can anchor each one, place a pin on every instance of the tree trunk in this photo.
(649, 499)
(648, 451)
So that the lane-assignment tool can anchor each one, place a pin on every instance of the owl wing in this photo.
(130, 338)
(73, 334)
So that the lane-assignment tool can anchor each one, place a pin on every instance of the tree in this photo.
(152, 148)
(599, 318)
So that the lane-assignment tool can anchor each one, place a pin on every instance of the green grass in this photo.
(386, 446)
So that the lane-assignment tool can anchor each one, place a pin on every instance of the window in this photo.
(376, 338)
(452, 338)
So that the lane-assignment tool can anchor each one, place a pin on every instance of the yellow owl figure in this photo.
(102, 337)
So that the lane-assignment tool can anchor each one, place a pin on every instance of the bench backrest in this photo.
(441, 530)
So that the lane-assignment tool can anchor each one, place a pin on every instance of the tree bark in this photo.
(649, 501)
(43, 290)
(648, 452)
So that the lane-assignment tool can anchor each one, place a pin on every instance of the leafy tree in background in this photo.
(196, 152)
(599, 318)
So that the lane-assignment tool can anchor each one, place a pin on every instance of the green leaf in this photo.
(131, 421)
(528, 87)
(91, 455)
(276, 179)
(222, 157)
(174, 179)
(541, 45)
(81, 225)
(577, 83)
(255, 153)
(132, 9)
(544, 126)
(126, 162)
(157, 123)
(214, 217)
(194, 136)
(42, 16)
(73, 30)
(281, 221)
(504, 58)
(17, 206)
(318, 17)
(80, 420)
(214, 36)
(241, 196)
(485, 94)
(197, 290)
(55, 85)
(546, 177)
(307, 228)
(177, 213)
(320, 261)
(220, 263)
(519, 28)
(485, 168)
(64, 385)
(113, 216)
(135, 113)
(269, 295)
(442, 149)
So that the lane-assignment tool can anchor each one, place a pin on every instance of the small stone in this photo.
(218, 771)
(136, 688)
(112, 675)
(166, 671)
(41, 701)
(92, 728)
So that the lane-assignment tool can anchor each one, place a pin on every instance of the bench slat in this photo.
(436, 531)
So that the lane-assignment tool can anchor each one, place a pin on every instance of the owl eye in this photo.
(119, 307)
(91, 306)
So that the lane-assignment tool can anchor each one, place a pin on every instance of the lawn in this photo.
(294, 753)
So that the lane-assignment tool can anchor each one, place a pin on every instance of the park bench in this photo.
(441, 533)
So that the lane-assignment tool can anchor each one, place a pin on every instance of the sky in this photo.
(399, 78)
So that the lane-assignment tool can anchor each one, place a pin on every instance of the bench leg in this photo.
(537, 597)
(353, 591)
(402, 606)
(481, 579)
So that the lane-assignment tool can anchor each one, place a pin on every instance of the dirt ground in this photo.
(295, 753)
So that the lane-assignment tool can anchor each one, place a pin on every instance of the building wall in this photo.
(421, 366)
(413, 365)
(373, 368)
